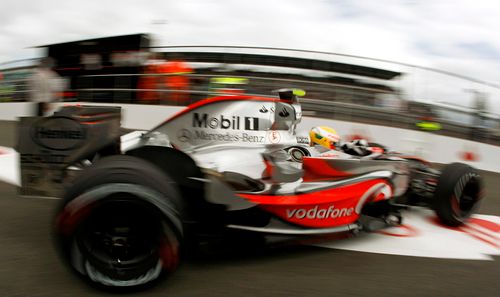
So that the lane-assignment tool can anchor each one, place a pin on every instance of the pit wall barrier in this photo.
(432, 147)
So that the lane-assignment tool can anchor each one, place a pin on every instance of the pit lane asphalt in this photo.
(29, 265)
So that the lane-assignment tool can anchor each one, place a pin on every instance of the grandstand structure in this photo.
(107, 70)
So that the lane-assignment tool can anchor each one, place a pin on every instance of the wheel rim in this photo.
(465, 200)
(96, 276)
(120, 243)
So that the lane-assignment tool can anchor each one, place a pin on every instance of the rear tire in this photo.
(457, 194)
(119, 225)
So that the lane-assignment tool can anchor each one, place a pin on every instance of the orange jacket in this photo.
(176, 71)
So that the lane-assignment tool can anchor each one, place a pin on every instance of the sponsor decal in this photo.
(323, 208)
(330, 155)
(274, 137)
(284, 113)
(265, 109)
(319, 213)
(42, 158)
(58, 133)
(185, 135)
(204, 120)
(303, 139)
(228, 137)
(251, 123)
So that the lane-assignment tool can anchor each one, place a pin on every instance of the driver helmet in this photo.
(324, 136)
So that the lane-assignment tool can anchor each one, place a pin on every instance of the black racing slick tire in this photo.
(120, 224)
(458, 193)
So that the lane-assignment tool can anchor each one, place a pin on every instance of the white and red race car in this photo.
(223, 166)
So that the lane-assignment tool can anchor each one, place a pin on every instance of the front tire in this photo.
(457, 194)
(120, 224)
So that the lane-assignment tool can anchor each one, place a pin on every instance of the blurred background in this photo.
(131, 69)
(408, 64)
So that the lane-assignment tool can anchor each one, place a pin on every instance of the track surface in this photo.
(29, 265)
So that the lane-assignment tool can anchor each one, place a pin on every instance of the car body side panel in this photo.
(238, 120)
(329, 207)
(325, 169)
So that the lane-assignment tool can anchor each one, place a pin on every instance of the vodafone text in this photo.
(319, 213)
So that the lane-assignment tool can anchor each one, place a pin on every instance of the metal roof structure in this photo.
(141, 41)
(283, 61)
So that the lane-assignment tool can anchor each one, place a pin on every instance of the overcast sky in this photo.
(459, 36)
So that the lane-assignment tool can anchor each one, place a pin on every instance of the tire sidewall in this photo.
(126, 174)
(453, 180)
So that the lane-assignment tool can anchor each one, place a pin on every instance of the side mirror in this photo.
(288, 115)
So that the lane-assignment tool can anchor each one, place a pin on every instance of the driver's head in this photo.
(324, 136)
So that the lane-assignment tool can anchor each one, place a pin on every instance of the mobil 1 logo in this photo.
(204, 120)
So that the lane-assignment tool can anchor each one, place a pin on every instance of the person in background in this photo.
(176, 80)
(45, 86)
(150, 81)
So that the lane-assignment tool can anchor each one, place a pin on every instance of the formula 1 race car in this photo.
(222, 166)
